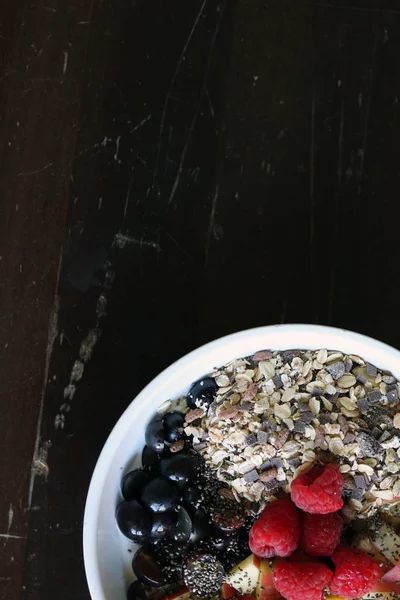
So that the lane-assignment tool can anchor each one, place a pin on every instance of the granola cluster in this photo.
(276, 414)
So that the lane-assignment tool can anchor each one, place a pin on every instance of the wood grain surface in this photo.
(172, 171)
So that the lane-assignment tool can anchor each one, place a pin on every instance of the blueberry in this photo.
(136, 591)
(147, 568)
(160, 495)
(132, 484)
(155, 437)
(203, 391)
(150, 459)
(164, 525)
(180, 467)
(173, 426)
(133, 521)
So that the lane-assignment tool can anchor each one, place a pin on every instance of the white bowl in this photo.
(106, 551)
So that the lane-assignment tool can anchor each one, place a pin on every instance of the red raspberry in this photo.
(356, 573)
(304, 580)
(276, 531)
(320, 534)
(319, 490)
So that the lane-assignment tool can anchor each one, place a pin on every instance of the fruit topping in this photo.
(160, 495)
(319, 490)
(301, 580)
(136, 591)
(202, 393)
(180, 467)
(356, 573)
(202, 529)
(133, 521)
(150, 459)
(147, 568)
(244, 576)
(228, 515)
(164, 525)
(183, 527)
(203, 574)
(265, 589)
(173, 426)
(133, 483)
(320, 534)
(155, 436)
(276, 531)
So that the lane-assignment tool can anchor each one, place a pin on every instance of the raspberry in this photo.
(319, 490)
(356, 573)
(320, 534)
(301, 580)
(276, 531)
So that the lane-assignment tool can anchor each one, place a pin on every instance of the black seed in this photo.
(203, 575)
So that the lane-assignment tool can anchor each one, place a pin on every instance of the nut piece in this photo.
(193, 415)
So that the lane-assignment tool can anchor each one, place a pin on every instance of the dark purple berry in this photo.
(180, 467)
(160, 495)
(173, 426)
(136, 591)
(134, 521)
(150, 459)
(228, 515)
(147, 569)
(164, 525)
(202, 392)
(133, 483)
(154, 436)
(183, 527)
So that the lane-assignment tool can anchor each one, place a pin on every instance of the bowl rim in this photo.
(97, 482)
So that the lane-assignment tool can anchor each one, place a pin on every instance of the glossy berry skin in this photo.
(318, 491)
(356, 573)
(133, 483)
(147, 568)
(304, 580)
(173, 426)
(320, 534)
(136, 591)
(276, 531)
(179, 467)
(134, 521)
(160, 495)
(155, 436)
(163, 525)
(203, 392)
(150, 459)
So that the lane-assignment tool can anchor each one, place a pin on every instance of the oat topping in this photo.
(276, 414)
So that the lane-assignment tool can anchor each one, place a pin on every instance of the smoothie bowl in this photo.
(264, 465)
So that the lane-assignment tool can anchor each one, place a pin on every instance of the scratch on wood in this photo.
(128, 193)
(211, 221)
(368, 106)
(122, 240)
(196, 114)
(7, 536)
(312, 181)
(28, 173)
(10, 520)
(51, 338)
(139, 125)
(171, 85)
(65, 63)
(117, 141)
(355, 8)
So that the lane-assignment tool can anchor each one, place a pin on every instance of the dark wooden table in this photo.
(172, 171)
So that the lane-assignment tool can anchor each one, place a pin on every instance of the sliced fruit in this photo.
(265, 589)
(181, 593)
(387, 541)
(365, 544)
(392, 579)
(203, 574)
(244, 576)
(227, 591)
